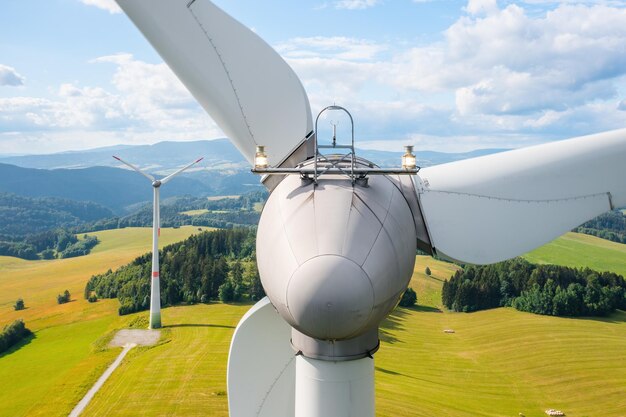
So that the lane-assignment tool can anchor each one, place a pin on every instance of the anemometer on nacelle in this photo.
(329, 159)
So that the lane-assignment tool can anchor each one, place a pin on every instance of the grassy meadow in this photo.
(55, 368)
(580, 250)
(194, 212)
(499, 362)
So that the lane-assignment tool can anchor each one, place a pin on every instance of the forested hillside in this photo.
(224, 213)
(610, 226)
(42, 228)
(208, 266)
(542, 289)
(20, 216)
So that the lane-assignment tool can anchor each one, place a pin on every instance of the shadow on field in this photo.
(424, 309)
(391, 324)
(616, 317)
(219, 326)
(18, 345)
(389, 372)
(435, 278)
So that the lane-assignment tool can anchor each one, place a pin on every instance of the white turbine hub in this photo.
(343, 302)
(334, 259)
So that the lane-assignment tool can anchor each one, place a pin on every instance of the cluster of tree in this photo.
(208, 266)
(79, 248)
(20, 216)
(610, 226)
(19, 305)
(12, 334)
(64, 298)
(47, 245)
(542, 289)
(409, 298)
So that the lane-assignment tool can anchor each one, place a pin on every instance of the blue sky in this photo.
(448, 75)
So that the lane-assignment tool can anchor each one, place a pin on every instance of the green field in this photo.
(580, 250)
(497, 363)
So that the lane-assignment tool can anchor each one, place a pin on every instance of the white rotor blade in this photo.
(261, 374)
(145, 174)
(169, 177)
(246, 87)
(496, 207)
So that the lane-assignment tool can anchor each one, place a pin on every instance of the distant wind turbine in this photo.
(155, 287)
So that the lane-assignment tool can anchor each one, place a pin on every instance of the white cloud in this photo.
(497, 73)
(339, 47)
(356, 4)
(146, 104)
(498, 77)
(10, 77)
(479, 7)
(108, 5)
(616, 3)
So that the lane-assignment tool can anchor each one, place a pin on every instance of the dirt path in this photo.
(128, 339)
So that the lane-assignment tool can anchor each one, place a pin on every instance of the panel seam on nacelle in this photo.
(382, 223)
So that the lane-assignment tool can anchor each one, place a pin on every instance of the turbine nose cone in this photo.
(330, 297)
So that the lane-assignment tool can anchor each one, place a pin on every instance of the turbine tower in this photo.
(155, 285)
(337, 237)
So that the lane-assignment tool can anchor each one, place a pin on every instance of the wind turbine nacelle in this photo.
(334, 258)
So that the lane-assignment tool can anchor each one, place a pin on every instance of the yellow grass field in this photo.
(53, 371)
(222, 197)
(39, 282)
(194, 212)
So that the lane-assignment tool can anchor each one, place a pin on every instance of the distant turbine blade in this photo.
(169, 177)
(145, 174)
(244, 84)
(496, 207)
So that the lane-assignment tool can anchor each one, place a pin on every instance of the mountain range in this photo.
(93, 175)
(219, 155)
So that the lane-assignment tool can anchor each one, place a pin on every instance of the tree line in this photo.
(542, 289)
(215, 265)
(50, 244)
(610, 226)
